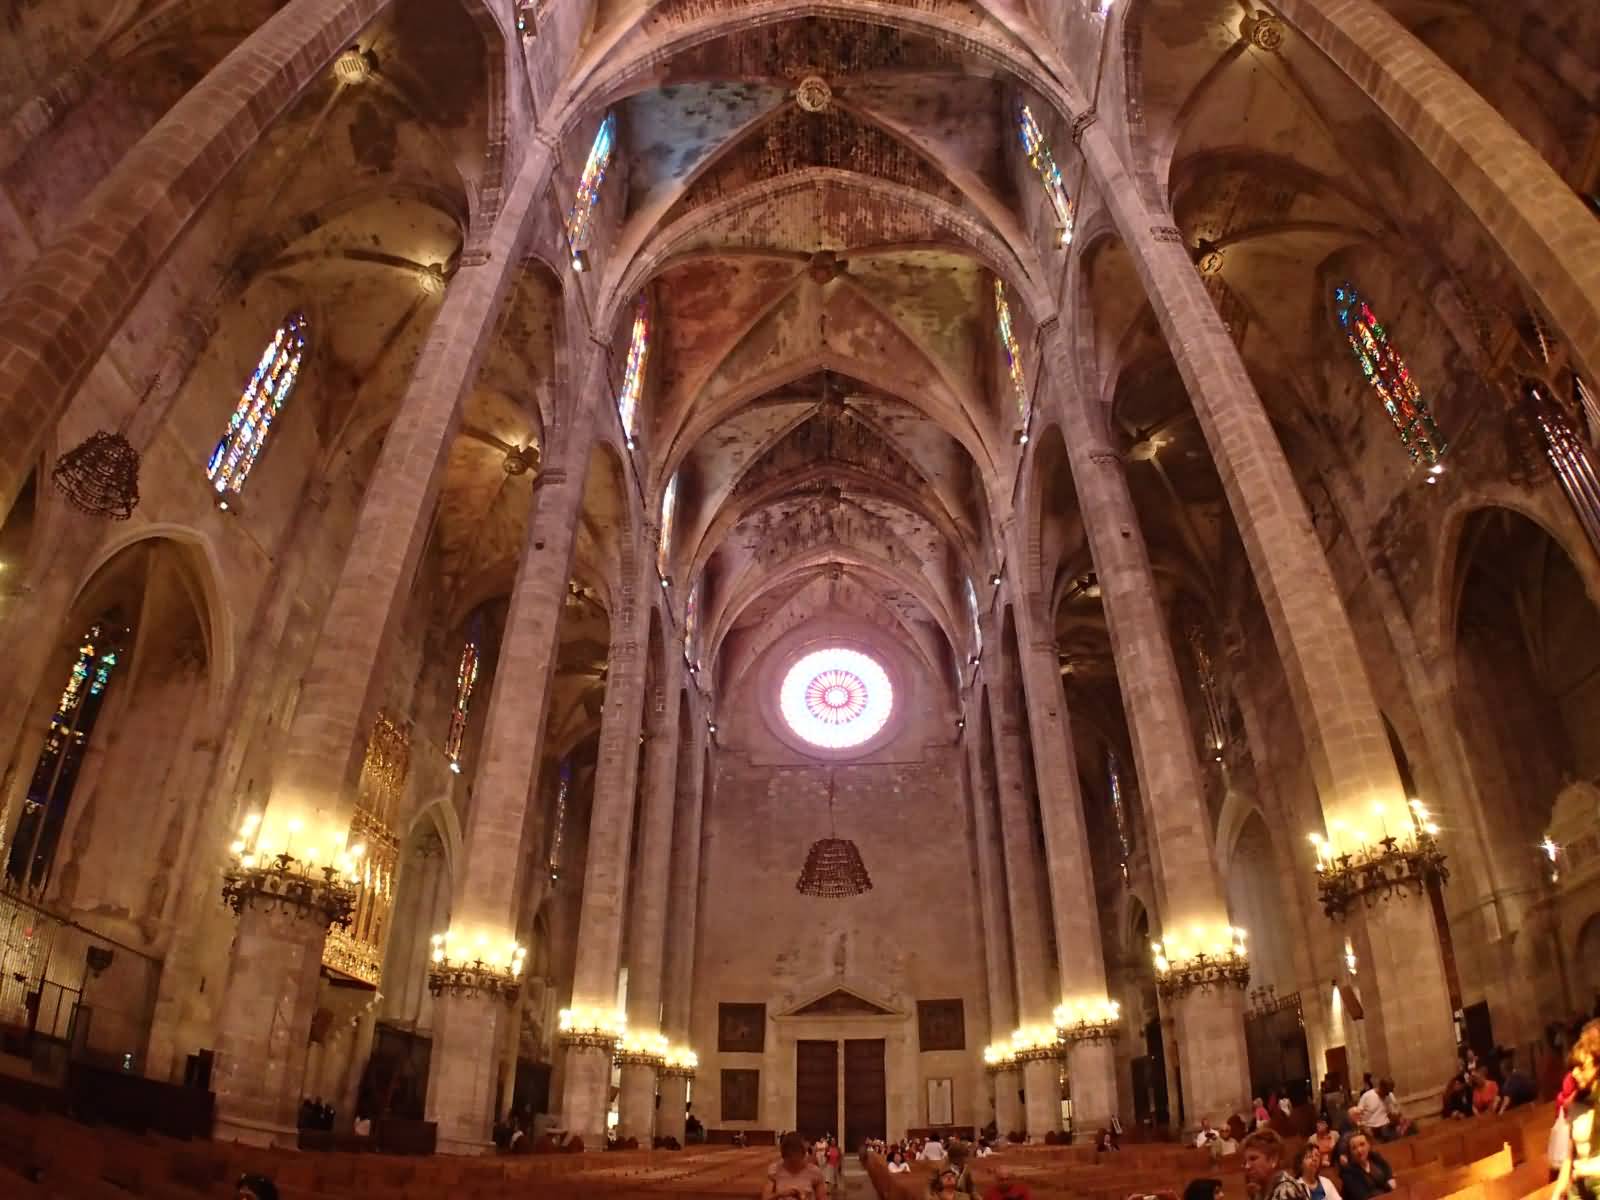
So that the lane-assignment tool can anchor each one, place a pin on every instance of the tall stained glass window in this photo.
(264, 397)
(581, 215)
(1119, 809)
(1044, 163)
(1386, 371)
(558, 820)
(1013, 352)
(972, 615)
(633, 372)
(669, 506)
(55, 773)
(691, 619)
(466, 678)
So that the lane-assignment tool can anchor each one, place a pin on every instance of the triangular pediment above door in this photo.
(841, 1002)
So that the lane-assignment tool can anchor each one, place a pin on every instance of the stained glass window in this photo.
(558, 821)
(264, 396)
(1386, 371)
(836, 698)
(972, 615)
(581, 215)
(1013, 352)
(669, 505)
(1119, 810)
(633, 372)
(466, 677)
(1043, 162)
(55, 773)
(691, 618)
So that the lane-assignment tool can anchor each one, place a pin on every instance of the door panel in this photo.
(816, 1088)
(865, 1092)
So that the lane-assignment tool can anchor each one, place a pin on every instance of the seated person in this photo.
(1367, 1174)
(1517, 1090)
(932, 1150)
(1325, 1139)
(1007, 1188)
(1308, 1168)
(897, 1162)
(795, 1176)
(1485, 1094)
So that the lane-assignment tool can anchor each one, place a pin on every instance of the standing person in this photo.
(1307, 1169)
(1579, 1177)
(1367, 1174)
(1264, 1176)
(835, 1159)
(933, 1149)
(1258, 1114)
(1372, 1114)
(795, 1176)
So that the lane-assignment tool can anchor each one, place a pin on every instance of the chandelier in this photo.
(475, 967)
(641, 1050)
(681, 1062)
(266, 875)
(1374, 871)
(1088, 1021)
(100, 476)
(833, 866)
(1201, 961)
(592, 1027)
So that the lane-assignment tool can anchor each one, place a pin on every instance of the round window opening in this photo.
(836, 698)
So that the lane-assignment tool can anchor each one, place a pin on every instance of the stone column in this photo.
(1091, 1071)
(677, 1021)
(470, 1029)
(996, 934)
(1541, 226)
(647, 922)
(273, 977)
(599, 945)
(1347, 747)
(314, 785)
(1210, 1029)
(60, 314)
(1026, 893)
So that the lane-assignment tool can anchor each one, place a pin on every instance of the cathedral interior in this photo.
(848, 565)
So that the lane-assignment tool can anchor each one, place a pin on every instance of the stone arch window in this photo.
(580, 216)
(55, 774)
(691, 620)
(1013, 351)
(1385, 371)
(558, 819)
(971, 595)
(466, 678)
(669, 507)
(1044, 165)
(633, 373)
(1119, 809)
(263, 398)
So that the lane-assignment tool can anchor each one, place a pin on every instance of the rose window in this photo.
(836, 698)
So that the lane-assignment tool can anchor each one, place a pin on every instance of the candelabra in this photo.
(281, 882)
(490, 971)
(1376, 871)
(641, 1050)
(1088, 1021)
(1034, 1043)
(998, 1056)
(1264, 1001)
(1201, 961)
(591, 1027)
(681, 1062)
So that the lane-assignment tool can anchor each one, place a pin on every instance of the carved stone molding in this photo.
(1263, 30)
(1167, 233)
(1081, 123)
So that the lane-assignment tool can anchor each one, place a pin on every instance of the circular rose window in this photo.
(836, 698)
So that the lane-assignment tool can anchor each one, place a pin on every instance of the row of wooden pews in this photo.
(1499, 1158)
(46, 1156)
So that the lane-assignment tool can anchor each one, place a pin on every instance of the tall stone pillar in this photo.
(1008, 1113)
(1091, 1072)
(471, 1025)
(1347, 747)
(1026, 894)
(677, 1017)
(310, 801)
(1210, 1028)
(59, 315)
(649, 899)
(585, 1097)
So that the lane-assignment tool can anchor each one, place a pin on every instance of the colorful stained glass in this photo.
(1044, 163)
(836, 698)
(558, 821)
(1118, 808)
(581, 215)
(1008, 343)
(55, 772)
(466, 678)
(1386, 371)
(691, 619)
(264, 396)
(669, 505)
(633, 373)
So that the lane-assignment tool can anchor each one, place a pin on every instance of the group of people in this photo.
(314, 1114)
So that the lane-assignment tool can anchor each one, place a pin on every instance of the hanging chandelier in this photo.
(833, 866)
(100, 476)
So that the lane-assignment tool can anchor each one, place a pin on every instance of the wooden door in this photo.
(866, 1094)
(816, 1088)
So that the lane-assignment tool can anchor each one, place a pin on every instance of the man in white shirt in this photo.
(933, 1151)
(1206, 1136)
(1373, 1114)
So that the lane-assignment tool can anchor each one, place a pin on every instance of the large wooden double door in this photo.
(818, 1084)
